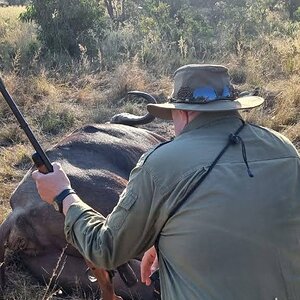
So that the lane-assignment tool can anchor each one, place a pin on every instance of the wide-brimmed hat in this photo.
(204, 88)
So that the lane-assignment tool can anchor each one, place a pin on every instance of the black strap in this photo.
(232, 139)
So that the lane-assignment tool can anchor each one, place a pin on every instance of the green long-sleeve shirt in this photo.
(236, 237)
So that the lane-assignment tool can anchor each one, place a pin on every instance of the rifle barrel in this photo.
(24, 125)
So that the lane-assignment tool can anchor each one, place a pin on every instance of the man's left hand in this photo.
(149, 264)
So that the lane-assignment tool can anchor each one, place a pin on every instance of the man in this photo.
(220, 202)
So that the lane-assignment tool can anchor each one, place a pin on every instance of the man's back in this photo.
(236, 236)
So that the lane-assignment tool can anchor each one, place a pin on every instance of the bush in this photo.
(67, 25)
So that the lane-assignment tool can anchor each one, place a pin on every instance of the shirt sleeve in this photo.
(126, 233)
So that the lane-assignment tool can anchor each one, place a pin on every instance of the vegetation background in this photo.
(71, 62)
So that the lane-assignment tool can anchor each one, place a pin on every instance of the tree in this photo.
(67, 25)
(115, 10)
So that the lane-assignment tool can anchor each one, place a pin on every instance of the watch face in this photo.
(55, 205)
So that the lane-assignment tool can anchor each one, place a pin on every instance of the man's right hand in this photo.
(51, 184)
(149, 264)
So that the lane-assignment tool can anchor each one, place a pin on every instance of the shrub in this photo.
(67, 25)
(54, 121)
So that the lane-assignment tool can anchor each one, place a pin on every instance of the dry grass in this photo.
(14, 163)
(21, 285)
(18, 40)
(281, 111)
(9, 22)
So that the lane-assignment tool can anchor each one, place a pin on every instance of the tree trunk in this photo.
(110, 9)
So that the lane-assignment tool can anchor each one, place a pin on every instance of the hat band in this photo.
(203, 95)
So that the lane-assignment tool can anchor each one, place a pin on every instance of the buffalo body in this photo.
(98, 160)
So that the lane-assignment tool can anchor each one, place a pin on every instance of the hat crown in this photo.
(201, 83)
(203, 88)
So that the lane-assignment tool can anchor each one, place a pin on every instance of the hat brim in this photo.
(163, 111)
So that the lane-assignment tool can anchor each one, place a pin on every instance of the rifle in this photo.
(44, 165)
(39, 158)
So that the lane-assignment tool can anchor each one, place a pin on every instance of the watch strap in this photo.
(61, 196)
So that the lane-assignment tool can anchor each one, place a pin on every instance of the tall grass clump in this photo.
(18, 44)
(54, 120)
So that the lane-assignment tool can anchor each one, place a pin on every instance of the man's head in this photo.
(202, 88)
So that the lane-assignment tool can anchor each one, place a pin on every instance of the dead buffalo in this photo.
(98, 160)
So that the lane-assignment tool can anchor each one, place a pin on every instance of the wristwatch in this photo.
(58, 200)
